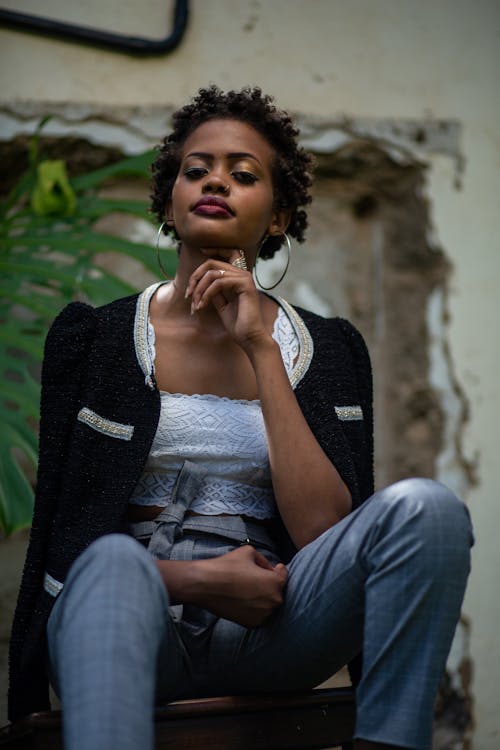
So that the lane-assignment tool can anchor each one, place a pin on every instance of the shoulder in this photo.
(82, 320)
(340, 356)
(73, 326)
(354, 340)
(79, 327)
(331, 331)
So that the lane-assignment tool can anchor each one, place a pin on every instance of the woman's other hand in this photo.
(242, 585)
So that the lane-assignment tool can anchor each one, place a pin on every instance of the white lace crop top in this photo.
(225, 436)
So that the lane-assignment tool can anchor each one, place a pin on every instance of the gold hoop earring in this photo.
(158, 259)
(289, 251)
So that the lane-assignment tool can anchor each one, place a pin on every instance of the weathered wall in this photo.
(369, 67)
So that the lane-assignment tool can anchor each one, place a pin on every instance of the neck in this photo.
(170, 300)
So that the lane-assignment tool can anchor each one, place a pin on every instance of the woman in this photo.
(231, 435)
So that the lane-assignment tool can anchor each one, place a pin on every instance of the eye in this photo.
(194, 173)
(246, 178)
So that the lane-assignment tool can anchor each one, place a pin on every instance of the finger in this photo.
(203, 281)
(225, 257)
(282, 570)
(222, 285)
(199, 275)
(245, 550)
(262, 561)
(195, 277)
(213, 283)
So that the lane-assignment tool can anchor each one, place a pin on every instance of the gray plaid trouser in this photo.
(389, 579)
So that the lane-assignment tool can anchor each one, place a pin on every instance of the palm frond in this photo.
(45, 262)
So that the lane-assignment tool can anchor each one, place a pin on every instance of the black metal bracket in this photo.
(131, 45)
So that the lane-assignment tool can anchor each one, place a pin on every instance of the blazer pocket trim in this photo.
(106, 426)
(51, 585)
(349, 413)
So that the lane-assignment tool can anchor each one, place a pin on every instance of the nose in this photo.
(215, 183)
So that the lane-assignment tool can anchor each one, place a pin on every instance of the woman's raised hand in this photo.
(233, 294)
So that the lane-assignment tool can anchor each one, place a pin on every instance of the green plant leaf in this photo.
(53, 195)
(26, 339)
(93, 207)
(106, 287)
(137, 166)
(49, 256)
(16, 494)
(44, 305)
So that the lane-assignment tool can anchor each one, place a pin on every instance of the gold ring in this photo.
(240, 262)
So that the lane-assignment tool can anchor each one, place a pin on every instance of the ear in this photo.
(279, 222)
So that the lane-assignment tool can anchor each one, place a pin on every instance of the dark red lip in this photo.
(212, 205)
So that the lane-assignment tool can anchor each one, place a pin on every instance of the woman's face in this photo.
(223, 194)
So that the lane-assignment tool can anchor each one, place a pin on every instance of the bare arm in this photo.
(309, 491)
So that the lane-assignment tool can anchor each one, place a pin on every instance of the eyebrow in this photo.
(233, 155)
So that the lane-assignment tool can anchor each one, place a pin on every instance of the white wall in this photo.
(391, 58)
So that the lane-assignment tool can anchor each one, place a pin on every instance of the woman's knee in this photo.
(432, 508)
(419, 495)
(117, 558)
(112, 549)
(114, 578)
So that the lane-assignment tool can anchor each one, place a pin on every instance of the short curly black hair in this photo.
(292, 168)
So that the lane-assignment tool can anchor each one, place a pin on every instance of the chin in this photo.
(210, 239)
(209, 255)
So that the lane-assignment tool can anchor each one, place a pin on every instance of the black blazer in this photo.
(99, 412)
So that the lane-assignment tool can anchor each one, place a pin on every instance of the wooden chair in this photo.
(322, 718)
